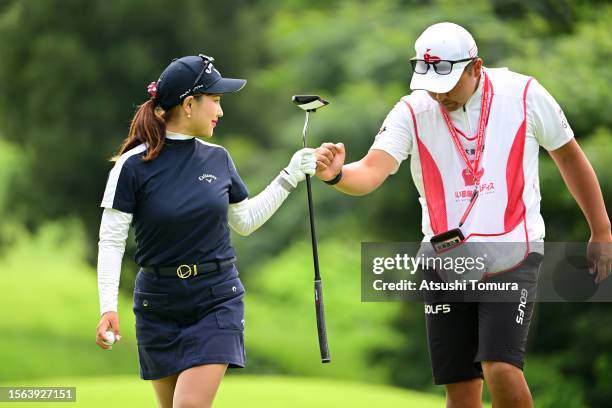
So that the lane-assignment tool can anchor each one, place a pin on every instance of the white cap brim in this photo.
(433, 82)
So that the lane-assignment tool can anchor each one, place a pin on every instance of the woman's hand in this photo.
(108, 322)
(303, 162)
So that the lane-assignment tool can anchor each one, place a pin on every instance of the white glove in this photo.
(303, 162)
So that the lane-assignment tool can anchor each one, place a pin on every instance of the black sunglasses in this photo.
(441, 67)
(206, 68)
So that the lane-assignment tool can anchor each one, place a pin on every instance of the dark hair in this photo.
(148, 126)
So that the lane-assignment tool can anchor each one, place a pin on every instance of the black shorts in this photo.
(462, 334)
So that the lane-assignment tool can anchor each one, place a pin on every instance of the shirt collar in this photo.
(177, 136)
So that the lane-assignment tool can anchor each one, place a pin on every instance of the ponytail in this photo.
(149, 127)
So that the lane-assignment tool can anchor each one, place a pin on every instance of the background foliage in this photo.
(71, 76)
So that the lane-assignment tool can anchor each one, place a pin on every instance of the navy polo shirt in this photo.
(179, 201)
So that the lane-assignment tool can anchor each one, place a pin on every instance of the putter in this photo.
(310, 103)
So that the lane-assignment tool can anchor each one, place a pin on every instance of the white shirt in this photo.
(546, 127)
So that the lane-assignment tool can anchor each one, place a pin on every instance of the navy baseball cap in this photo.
(192, 75)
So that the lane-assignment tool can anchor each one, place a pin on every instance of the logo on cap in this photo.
(430, 58)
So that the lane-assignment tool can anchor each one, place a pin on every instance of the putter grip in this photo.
(323, 346)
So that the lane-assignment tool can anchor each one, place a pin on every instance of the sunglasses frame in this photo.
(207, 64)
(414, 61)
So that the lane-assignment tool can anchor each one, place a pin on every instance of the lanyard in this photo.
(472, 167)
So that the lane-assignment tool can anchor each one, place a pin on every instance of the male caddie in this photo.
(473, 135)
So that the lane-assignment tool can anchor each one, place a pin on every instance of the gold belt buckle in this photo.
(185, 271)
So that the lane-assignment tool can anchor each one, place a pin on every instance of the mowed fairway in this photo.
(243, 391)
(48, 340)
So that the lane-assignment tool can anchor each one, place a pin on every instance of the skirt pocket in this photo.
(230, 311)
(154, 323)
(149, 301)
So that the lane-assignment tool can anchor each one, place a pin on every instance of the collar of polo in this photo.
(177, 136)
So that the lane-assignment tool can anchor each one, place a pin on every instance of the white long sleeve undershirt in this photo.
(114, 229)
(244, 218)
(249, 214)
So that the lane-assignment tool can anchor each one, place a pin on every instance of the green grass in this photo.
(53, 313)
(246, 391)
(50, 311)
(280, 314)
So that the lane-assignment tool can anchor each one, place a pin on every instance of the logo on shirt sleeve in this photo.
(563, 119)
(209, 178)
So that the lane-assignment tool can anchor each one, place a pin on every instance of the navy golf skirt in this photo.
(182, 323)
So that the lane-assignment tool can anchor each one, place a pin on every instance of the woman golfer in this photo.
(181, 193)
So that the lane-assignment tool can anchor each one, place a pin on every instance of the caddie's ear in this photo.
(477, 67)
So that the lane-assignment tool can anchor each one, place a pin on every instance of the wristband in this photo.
(284, 182)
(335, 180)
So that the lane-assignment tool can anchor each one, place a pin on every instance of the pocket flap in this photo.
(228, 288)
(144, 300)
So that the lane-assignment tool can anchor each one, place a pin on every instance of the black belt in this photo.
(186, 271)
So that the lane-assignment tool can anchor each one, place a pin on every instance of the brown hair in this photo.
(148, 126)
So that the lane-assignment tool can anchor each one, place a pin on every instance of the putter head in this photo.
(309, 103)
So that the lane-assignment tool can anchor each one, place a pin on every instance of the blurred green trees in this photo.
(72, 74)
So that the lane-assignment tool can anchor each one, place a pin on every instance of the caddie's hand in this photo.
(303, 162)
(108, 322)
(599, 258)
(330, 159)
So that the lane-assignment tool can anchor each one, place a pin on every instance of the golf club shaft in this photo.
(304, 129)
(313, 234)
(321, 327)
